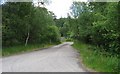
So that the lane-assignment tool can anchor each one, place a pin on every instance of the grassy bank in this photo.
(94, 60)
(20, 49)
(0, 52)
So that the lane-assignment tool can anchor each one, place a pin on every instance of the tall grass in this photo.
(21, 48)
(94, 60)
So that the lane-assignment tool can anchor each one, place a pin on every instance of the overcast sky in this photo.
(61, 7)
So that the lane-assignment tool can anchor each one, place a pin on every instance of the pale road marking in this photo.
(60, 58)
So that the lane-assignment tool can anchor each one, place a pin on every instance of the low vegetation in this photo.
(96, 60)
(21, 49)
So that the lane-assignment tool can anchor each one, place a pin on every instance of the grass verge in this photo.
(94, 60)
(20, 49)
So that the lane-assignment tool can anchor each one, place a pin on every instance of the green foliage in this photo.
(96, 60)
(63, 26)
(97, 24)
(23, 23)
(14, 22)
(21, 49)
(53, 34)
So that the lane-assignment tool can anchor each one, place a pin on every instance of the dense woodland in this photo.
(96, 23)
(23, 23)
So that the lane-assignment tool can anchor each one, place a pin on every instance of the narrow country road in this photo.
(60, 58)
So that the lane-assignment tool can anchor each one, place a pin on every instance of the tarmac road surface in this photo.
(59, 58)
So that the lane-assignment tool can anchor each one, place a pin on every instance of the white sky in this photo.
(61, 7)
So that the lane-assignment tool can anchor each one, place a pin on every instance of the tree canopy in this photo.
(24, 23)
(97, 23)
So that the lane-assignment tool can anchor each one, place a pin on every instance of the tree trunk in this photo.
(26, 42)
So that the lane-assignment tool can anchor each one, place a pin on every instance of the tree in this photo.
(25, 24)
(97, 23)
(15, 22)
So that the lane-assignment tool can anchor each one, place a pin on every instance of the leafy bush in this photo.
(97, 23)
(25, 24)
